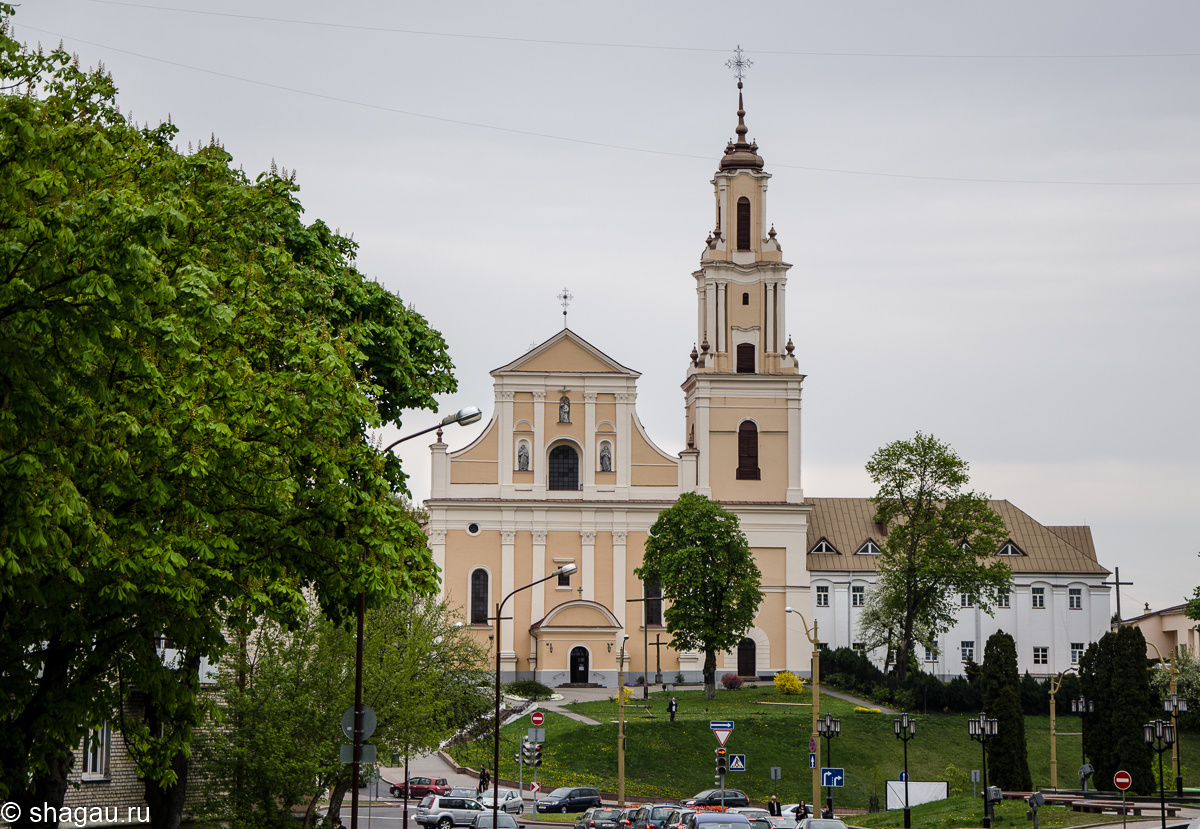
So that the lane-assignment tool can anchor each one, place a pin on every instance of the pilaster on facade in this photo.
(437, 546)
(537, 601)
(619, 569)
(507, 584)
(587, 539)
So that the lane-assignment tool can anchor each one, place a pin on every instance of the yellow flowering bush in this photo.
(787, 682)
(867, 710)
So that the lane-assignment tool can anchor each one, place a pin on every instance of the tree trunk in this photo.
(710, 673)
(905, 649)
(337, 793)
(166, 802)
(46, 790)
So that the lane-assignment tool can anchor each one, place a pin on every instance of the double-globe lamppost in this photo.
(1163, 734)
(983, 730)
(1082, 706)
(906, 729)
(1175, 705)
(621, 723)
(813, 745)
(565, 570)
(463, 417)
(829, 727)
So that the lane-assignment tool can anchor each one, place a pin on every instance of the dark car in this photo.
(650, 816)
(599, 818)
(418, 787)
(503, 821)
(568, 799)
(717, 797)
(678, 817)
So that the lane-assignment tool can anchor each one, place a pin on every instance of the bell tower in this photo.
(743, 387)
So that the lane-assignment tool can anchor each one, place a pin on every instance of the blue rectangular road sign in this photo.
(725, 725)
(737, 762)
(832, 777)
(812, 761)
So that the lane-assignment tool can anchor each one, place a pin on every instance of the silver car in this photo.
(443, 812)
(510, 800)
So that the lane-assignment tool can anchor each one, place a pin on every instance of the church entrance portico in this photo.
(579, 665)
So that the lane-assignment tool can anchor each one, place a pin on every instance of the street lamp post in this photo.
(1176, 705)
(645, 645)
(983, 730)
(565, 570)
(621, 724)
(829, 728)
(1164, 734)
(814, 746)
(906, 729)
(462, 417)
(1082, 706)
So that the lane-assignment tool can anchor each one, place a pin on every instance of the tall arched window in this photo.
(479, 597)
(747, 468)
(745, 358)
(743, 223)
(652, 593)
(564, 468)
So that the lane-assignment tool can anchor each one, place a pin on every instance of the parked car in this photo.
(718, 820)
(601, 818)
(444, 812)
(567, 799)
(650, 816)
(751, 812)
(464, 791)
(503, 821)
(510, 800)
(716, 797)
(821, 823)
(418, 787)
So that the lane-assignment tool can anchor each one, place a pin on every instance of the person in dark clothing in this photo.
(484, 780)
(774, 809)
(672, 707)
(801, 810)
(827, 812)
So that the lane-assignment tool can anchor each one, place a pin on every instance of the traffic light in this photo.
(537, 755)
(526, 751)
(722, 762)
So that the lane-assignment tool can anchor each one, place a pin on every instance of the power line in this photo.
(657, 47)
(593, 143)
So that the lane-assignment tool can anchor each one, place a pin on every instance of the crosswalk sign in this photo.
(737, 762)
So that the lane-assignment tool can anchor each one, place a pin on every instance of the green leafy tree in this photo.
(1193, 605)
(278, 735)
(1187, 685)
(940, 540)
(881, 625)
(1114, 676)
(1008, 759)
(698, 554)
(189, 377)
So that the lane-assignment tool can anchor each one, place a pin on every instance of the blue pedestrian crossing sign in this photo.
(737, 762)
(812, 761)
(832, 777)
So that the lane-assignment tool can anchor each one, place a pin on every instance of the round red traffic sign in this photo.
(1122, 780)
(538, 717)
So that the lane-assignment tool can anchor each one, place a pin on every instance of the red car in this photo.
(418, 787)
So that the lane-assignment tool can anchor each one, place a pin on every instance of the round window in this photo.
(473, 529)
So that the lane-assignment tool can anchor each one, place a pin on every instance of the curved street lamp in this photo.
(983, 730)
(813, 746)
(565, 570)
(906, 729)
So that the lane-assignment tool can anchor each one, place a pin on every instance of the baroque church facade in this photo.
(564, 473)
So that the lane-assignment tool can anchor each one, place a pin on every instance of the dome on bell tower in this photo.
(740, 154)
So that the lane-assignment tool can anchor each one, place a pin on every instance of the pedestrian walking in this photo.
(774, 809)
(801, 810)
(673, 706)
(484, 780)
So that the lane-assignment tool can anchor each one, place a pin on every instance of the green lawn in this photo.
(675, 760)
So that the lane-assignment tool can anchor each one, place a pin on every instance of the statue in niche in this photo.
(564, 409)
(605, 458)
(522, 458)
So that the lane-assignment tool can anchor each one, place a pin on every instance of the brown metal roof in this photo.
(848, 523)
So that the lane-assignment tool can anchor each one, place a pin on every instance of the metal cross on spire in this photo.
(565, 298)
(739, 64)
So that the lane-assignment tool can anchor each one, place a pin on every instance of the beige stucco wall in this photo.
(479, 463)
(566, 356)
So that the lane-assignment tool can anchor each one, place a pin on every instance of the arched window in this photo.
(745, 358)
(564, 468)
(652, 593)
(479, 597)
(743, 223)
(747, 468)
(745, 299)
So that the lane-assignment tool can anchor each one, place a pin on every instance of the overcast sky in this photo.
(991, 209)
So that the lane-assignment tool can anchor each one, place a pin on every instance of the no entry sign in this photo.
(537, 717)
(1122, 780)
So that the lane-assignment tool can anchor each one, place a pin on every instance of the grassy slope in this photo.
(673, 760)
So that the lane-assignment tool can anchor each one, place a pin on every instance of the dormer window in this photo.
(868, 549)
(1010, 549)
(743, 223)
(824, 546)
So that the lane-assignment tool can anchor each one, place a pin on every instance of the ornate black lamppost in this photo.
(1081, 706)
(829, 727)
(1164, 734)
(983, 730)
(906, 729)
(1176, 705)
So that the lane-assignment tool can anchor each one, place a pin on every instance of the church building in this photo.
(564, 473)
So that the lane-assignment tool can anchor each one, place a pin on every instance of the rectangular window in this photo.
(857, 594)
(1004, 598)
(967, 646)
(964, 600)
(1041, 656)
(824, 646)
(1038, 595)
(1076, 652)
(930, 656)
(564, 579)
(861, 647)
(1075, 598)
(95, 754)
(822, 597)
(652, 592)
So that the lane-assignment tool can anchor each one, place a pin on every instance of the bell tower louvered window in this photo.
(747, 468)
(743, 223)
(745, 358)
